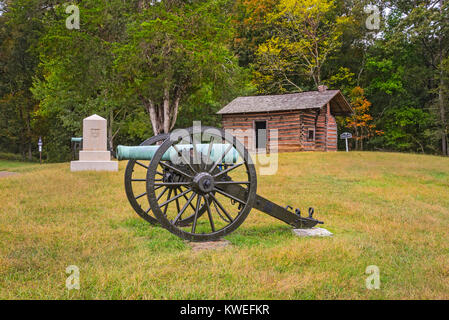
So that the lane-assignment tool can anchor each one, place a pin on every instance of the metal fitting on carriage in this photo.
(311, 212)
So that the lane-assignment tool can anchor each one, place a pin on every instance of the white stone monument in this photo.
(94, 156)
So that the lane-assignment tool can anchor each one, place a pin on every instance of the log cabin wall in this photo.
(287, 123)
(332, 134)
(308, 123)
(298, 130)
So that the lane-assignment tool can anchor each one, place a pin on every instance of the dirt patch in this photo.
(212, 245)
(4, 174)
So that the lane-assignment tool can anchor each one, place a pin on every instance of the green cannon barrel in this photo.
(147, 152)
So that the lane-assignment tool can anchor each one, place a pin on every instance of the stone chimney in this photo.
(322, 88)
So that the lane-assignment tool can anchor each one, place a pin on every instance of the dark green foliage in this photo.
(204, 53)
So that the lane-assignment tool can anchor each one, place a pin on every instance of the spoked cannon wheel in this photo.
(135, 186)
(135, 178)
(206, 163)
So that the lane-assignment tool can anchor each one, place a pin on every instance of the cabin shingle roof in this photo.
(285, 102)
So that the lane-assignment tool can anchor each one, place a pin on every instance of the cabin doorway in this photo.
(261, 135)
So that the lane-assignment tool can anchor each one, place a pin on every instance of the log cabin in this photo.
(303, 121)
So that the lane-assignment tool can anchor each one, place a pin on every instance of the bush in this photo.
(14, 157)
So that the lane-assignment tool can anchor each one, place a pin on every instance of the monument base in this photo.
(93, 166)
(95, 156)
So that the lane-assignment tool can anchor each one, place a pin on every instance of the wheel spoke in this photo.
(163, 192)
(186, 160)
(140, 195)
(229, 196)
(176, 170)
(173, 184)
(174, 198)
(158, 198)
(232, 182)
(209, 150)
(191, 205)
(220, 159)
(221, 207)
(196, 213)
(189, 202)
(142, 165)
(228, 169)
(209, 214)
(196, 154)
(168, 197)
(177, 200)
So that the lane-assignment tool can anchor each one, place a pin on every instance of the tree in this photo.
(406, 129)
(76, 76)
(361, 120)
(173, 49)
(249, 20)
(427, 24)
(20, 28)
(307, 33)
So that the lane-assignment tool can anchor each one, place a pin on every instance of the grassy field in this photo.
(15, 165)
(389, 210)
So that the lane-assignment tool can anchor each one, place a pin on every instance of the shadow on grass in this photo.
(266, 236)
(158, 239)
(155, 238)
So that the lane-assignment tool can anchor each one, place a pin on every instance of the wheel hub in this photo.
(203, 183)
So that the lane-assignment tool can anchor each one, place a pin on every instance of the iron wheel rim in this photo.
(209, 198)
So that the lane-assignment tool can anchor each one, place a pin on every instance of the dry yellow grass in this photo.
(389, 210)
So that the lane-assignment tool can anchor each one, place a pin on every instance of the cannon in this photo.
(198, 183)
(77, 145)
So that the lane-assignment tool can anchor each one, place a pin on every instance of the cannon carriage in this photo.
(198, 183)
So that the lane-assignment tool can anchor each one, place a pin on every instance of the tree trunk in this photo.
(442, 108)
(154, 115)
(356, 140)
(30, 154)
(166, 120)
(163, 116)
(174, 115)
(28, 125)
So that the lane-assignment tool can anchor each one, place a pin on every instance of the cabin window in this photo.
(311, 135)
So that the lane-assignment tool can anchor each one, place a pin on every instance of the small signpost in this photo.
(40, 144)
(346, 136)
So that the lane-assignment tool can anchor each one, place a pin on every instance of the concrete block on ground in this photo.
(314, 232)
(211, 245)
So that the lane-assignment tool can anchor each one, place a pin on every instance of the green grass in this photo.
(6, 165)
(389, 210)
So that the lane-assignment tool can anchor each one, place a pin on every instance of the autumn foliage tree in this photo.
(361, 120)
(306, 34)
(249, 21)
